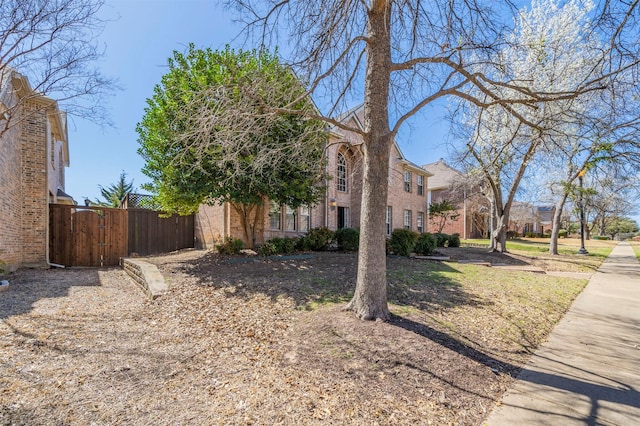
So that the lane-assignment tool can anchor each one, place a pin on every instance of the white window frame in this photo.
(346, 219)
(407, 181)
(341, 171)
(275, 212)
(388, 217)
(290, 219)
(407, 219)
(305, 218)
(420, 222)
(420, 185)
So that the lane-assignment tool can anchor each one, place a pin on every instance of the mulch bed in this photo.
(255, 342)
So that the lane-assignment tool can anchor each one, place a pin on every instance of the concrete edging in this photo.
(147, 276)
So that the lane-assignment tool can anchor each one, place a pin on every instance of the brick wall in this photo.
(210, 226)
(11, 199)
(35, 214)
(400, 200)
(452, 226)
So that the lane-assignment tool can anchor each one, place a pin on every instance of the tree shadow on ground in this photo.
(455, 345)
(325, 277)
(27, 286)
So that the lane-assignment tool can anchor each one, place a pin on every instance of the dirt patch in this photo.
(255, 341)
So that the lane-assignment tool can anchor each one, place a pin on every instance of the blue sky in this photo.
(139, 38)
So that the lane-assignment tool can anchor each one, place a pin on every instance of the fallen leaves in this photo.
(239, 344)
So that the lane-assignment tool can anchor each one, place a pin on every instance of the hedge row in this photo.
(316, 239)
(403, 242)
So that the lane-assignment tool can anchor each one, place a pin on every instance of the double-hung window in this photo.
(420, 185)
(407, 219)
(291, 219)
(305, 219)
(407, 181)
(275, 216)
(420, 222)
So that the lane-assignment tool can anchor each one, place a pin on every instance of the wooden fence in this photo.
(149, 233)
(99, 236)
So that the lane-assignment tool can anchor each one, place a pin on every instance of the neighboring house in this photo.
(526, 218)
(445, 184)
(341, 206)
(34, 152)
(474, 208)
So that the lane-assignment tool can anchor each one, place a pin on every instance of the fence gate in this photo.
(87, 236)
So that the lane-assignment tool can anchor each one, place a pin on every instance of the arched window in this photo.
(342, 173)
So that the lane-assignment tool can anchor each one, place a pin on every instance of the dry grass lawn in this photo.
(255, 341)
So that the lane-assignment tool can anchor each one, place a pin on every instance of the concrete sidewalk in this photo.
(588, 372)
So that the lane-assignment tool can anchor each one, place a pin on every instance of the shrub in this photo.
(348, 239)
(230, 245)
(317, 239)
(402, 241)
(512, 235)
(268, 249)
(454, 240)
(441, 239)
(287, 245)
(425, 245)
(562, 233)
(279, 245)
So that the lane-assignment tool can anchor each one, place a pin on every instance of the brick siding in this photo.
(11, 199)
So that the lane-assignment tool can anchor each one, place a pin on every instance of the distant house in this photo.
(446, 183)
(34, 153)
(341, 206)
(526, 218)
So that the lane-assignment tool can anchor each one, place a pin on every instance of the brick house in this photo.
(341, 205)
(34, 152)
(473, 208)
(526, 218)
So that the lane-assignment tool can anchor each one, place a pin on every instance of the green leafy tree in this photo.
(621, 225)
(114, 193)
(443, 212)
(206, 136)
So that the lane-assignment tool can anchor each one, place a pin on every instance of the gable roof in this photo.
(356, 115)
(12, 80)
(442, 174)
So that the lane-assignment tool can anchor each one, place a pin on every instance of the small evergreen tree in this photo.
(114, 193)
(441, 213)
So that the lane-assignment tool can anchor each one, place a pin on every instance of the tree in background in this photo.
(206, 136)
(115, 193)
(441, 213)
(549, 49)
(54, 44)
(620, 225)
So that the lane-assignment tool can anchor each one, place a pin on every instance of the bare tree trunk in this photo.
(557, 218)
(248, 228)
(370, 297)
(493, 224)
(499, 234)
